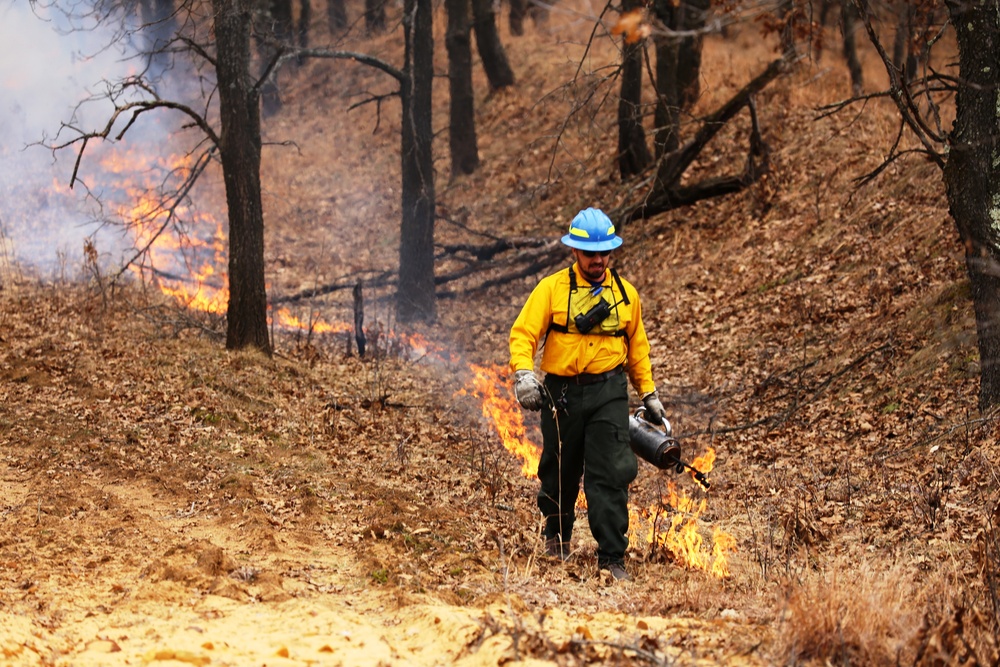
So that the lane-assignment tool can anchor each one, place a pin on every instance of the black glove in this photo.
(528, 390)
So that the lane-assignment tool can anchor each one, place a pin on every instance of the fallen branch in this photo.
(540, 255)
(667, 194)
(797, 404)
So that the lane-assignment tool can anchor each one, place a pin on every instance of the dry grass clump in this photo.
(855, 615)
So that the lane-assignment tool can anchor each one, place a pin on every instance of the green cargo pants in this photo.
(587, 437)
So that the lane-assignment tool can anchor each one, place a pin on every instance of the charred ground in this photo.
(163, 499)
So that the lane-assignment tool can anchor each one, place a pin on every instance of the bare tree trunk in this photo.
(491, 51)
(972, 176)
(633, 153)
(462, 140)
(822, 16)
(692, 17)
(240, 152)
(849, 29)
(375, 16)
(359, 319)
(305, 19)
(336, 14)
(788, 15)
(668, 113)
(678, 68)
(518, 10)
(275, 26)
(903, 55)
(415, 298)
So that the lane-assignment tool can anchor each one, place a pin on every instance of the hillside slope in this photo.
(164, 500)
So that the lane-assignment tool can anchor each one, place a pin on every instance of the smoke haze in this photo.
(47, 69)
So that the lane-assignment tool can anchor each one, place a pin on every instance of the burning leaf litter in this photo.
(673, 524)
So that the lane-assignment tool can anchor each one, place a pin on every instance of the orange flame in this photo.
(505, 415)
(681, 535)
(683, 538)
(204, 287)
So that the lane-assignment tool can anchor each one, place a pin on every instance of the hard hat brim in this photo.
(596, 246)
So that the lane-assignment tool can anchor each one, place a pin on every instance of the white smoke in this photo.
(49, 68)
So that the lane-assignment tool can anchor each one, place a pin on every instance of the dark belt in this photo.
(592, 378)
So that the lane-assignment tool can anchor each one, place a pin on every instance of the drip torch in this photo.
(659, 447)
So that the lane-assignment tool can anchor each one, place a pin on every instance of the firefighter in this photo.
(589, 321)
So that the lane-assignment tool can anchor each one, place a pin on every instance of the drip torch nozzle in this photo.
(659, 447)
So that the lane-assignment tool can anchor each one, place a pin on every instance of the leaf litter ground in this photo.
(165, 501)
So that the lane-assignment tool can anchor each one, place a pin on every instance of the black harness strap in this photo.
(564, 328)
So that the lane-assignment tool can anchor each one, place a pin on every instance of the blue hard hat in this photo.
(591, 229)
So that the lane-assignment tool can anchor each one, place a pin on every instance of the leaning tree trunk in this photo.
(462, 140)
(415, 296)
(491, 51)
(633, 153)
(972, 176)
(240, 153)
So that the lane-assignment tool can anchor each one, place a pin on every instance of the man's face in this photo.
(592, 264)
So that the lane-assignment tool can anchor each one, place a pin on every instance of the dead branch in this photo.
(132, 110)
(362, 58)
(779, 418)
(380, 279)
(668, 195)
(544, 249)
(171, 209)
(538, 256)
(490, 250)
(540, 265)
(900, 94)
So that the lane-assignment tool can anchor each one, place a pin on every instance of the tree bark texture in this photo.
(491, 51)
(667, 114)
(633, 153)
(972, 176)
(462, 141)
(240, 153)
(415, 299)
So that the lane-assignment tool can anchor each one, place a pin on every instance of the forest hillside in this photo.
(165, 501)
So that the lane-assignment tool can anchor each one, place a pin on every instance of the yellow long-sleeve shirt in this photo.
(573, 353)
